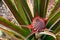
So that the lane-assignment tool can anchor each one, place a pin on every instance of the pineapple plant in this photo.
(36, 27)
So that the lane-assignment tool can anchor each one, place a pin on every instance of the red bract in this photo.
(38, 24)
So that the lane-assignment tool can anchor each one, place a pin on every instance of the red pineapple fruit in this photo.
(38, 24)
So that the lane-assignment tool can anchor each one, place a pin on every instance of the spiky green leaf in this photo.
(15, 12)
(22, 13)
(43, 8)
(35, 7)
(26, 9)
(13, 26)
(53, 19)
(56, 7)
(56, 27)
(31, 37)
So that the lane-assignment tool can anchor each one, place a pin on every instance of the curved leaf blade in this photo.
(13, 26)
(15, 12)
(53, 19)
(26, 9)
(56, 27)
(54, 9)
(11, 34)
(35, 7)
(43, 8)
(21, 11)
(40, 7)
